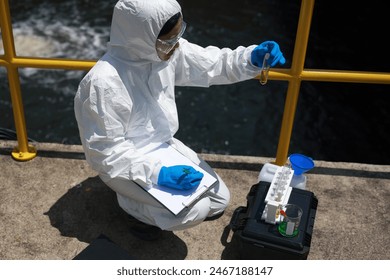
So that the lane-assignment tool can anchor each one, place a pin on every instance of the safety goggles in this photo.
(166, 46)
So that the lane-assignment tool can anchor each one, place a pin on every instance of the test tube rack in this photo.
(278, 193)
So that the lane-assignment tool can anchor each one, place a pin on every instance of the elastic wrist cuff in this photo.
(156, 172)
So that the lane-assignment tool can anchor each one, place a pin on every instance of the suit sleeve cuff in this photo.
(156, 172)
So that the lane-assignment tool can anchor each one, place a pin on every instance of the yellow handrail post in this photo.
(23, 151)
(297, 66)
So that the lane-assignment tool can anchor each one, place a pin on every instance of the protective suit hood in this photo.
(135, 27)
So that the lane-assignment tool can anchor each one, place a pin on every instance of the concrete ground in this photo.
(54, 206)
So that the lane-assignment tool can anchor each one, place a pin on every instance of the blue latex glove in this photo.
(271, 47)
(181, 177)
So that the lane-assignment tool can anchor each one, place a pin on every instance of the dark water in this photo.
(334, 121)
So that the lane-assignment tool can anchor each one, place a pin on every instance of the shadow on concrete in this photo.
(350, 173)
(61, 154)
(90, 209)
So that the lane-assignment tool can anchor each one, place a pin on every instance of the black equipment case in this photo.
(259, 240)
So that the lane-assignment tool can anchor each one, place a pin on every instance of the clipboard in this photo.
(177, 200)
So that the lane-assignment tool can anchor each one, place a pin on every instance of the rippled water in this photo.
(339, 122)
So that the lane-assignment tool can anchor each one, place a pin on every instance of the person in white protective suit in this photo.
(125, 106)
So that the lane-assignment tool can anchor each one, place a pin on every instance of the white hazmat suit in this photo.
(125, 106)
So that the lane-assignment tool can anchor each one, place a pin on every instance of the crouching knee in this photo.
(192, 216)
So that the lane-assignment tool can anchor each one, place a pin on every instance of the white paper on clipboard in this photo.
(176, 200)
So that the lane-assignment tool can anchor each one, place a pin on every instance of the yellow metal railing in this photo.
(294, 76)
(12, 62)
(297, 73)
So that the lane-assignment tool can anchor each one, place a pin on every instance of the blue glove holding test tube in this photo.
(275, 55)
(181, 177)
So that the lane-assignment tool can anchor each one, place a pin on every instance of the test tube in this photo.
(264, 70)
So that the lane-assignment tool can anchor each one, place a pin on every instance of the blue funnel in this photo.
(300, 163)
